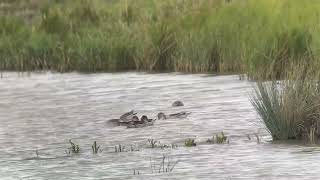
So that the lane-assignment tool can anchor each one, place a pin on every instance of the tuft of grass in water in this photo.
(221, 138)
(153, 143)
(157, 144)
(122, 148)
(190, 143)
(166, 165)
(218, 139)
(290, 109)
(37, 154)
(95, 148)
(136, 172)
(73, 149)
(166, 146)
(119, 148)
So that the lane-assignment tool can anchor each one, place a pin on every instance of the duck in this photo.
(143, 122)
(182, 114)
(128, 116)
(123, 120)
(177, 103)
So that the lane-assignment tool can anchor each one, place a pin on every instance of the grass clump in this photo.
(290, 109)
(122, 148)
(157, 144)
(95, 148)
(153, 143)
(190, 143)
(164, 165)
(73, 149)
(119, 148)
(218, 139)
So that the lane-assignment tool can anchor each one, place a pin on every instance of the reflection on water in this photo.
(43, 111)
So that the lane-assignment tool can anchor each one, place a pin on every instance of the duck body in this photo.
(182, 114)
(127, 117)
(179, 115)
(177, 104)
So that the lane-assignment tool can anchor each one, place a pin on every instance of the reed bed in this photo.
(256, 37)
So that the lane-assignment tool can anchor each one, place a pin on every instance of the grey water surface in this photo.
(42, 111)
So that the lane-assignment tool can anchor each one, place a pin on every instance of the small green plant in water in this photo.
(218, 138)
(221, 138)
(258, 138)
(96, 148)
(166, 146)
(190, 143)
(74, 148)
(122, 148)
(136, 172)
(37, 154)
(166, 165)
(153, 143)
(119, 148)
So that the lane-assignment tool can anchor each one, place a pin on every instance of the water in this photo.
(43, 111)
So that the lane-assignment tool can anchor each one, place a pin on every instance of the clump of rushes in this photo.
(119, 148)
(157, 144)
(190, 143)
(166, 146)
(219, 139)
(95, 148)
(74, 148)
(290, 109)
(166, 167)
(122, 148)
(153, 35)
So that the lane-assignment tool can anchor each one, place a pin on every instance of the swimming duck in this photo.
(127, 117)
(183, 114)
(123, 120)
(177, 103)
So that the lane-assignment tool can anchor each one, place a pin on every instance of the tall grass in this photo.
(261, 38)
(290, 109)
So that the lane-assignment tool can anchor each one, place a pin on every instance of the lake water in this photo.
(42, 111)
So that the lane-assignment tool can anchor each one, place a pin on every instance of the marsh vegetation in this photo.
(261, 38)
(290, 108)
